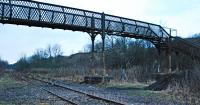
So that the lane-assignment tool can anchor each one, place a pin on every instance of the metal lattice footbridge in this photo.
(39, 14)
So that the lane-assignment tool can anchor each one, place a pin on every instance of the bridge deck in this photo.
(40, 14)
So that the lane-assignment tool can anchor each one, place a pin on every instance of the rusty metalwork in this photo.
(32, 13)
(92, 60)
(39, 14)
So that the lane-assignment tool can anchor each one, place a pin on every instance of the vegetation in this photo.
(130, 60)
(196, 35)
(42, 58)
(3, 65)
(6, 81)
(138, 58)
(136, 90)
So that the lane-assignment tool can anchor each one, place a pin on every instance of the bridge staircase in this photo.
(178, 45)
(186, 47)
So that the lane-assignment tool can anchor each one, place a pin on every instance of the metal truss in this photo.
(39, 14)
(32, 13)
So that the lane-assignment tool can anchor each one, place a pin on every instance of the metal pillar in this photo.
(103, 42)
(103, 55)
(169, 56)
(169, 62)
(10, 9)
(124, 53)
(92, 39)
(92, 35)
(177, 62)
(159, 60)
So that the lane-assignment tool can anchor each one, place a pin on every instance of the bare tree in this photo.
(53, 50)
(56, 50)
(49, 51)
(41, 53)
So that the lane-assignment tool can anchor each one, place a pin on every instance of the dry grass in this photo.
(186, 89)
(7, 81)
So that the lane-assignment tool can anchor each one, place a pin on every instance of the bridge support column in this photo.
(93, 72)
(103, 43)
(177, 61)
(169, 61)
(159, 61)
(169, 56)
(103, 54)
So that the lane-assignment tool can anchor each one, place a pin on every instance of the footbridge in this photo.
(39, 14)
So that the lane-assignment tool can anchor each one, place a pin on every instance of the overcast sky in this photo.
(183, 15)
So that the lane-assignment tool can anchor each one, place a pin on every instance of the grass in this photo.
(137, 89)
(124, 85)
(6, 81)
(159, 96)
(5, 103)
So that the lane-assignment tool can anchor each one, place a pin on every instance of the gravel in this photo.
(75, 97)
(29, 94)
(116, 95)
(32, 93)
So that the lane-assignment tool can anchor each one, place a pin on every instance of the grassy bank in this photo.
(137, 90)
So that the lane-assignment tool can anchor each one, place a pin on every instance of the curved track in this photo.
(75, 96)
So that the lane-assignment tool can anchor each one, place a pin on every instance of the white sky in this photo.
(182, 15)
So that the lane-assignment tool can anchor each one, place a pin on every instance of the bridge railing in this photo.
(16, 10)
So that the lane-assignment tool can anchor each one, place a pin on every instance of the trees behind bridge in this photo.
(3, 65)
(139, 58)
(42, 58)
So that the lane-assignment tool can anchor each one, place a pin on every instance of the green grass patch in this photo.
(159, 96)
(137, 89)
(122, 85)
(5, 103)
(6, 81)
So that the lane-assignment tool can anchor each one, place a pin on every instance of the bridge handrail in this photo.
(157, 29)
(186, 47)
(188, 43)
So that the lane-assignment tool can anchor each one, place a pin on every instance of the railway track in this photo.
(61, 97)
(76, 96)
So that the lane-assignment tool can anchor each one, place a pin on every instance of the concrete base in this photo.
(96, 79)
